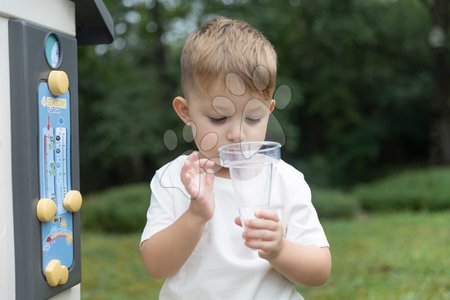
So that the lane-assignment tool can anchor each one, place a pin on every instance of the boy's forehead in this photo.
(226, 95)
(231, 87)
(225, 101)
(234, 84)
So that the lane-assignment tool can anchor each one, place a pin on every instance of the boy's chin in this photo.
(214, 156)
(218, 169)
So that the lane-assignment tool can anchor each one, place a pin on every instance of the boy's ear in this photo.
(181, 107)
(272, 105)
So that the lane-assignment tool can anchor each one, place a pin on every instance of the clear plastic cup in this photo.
(251, 166)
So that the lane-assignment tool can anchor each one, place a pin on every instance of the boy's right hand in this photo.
(197, 176)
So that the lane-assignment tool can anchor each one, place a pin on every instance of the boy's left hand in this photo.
(264, 233)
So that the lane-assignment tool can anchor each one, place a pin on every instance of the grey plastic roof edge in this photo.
(94, 24)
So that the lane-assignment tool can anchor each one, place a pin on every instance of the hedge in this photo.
(421, 189)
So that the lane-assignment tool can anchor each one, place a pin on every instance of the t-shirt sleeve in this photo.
(160, 213)
(303, 226)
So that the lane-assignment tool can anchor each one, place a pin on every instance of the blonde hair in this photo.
(224, 46)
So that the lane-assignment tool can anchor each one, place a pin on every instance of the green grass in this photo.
(390, 256)
(397, 256)
(112, 268)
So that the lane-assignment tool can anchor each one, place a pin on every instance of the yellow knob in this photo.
(46, 209)
(64, 275)
(58, 82)
(72, 201)
(55, 273)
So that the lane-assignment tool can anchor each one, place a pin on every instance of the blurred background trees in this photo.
(368, 81)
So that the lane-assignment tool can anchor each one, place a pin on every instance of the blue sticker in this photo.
(54, 174)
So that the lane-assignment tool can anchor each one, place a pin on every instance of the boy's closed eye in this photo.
(217, 119)
(253, 120)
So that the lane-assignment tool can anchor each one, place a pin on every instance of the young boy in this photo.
(193, 238)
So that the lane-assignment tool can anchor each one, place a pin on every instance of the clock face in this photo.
(53, 53)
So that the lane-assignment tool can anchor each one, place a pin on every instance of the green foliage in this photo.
(360, 73)
(334, 204)
(356, 68)
(422, 189)
(126, 91)
(119, 209)
(123, 209)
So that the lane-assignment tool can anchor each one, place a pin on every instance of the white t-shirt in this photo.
(221, 266)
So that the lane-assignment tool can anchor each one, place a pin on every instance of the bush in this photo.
(334, 204)
(119, 209)
(422, 189)
(123, 209)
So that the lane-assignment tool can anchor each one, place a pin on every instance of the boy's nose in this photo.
(234, 133)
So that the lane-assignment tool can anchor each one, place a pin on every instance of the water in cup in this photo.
(251, 166)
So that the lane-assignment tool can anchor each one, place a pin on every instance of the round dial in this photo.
(53, 53)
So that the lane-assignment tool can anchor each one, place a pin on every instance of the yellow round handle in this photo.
(53, 272)
(64, 275)
(58, 82)
(72, 201)
(46, 209)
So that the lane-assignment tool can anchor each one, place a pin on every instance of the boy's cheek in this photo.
(209, 141)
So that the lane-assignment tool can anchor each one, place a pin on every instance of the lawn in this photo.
(390, 256)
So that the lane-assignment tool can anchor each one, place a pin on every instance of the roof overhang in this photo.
(94, 24)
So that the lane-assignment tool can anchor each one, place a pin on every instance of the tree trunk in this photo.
(440, 109)
(167, 82)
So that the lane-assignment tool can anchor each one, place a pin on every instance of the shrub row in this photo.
(119, 209)
(422, 189)
(334, 204)
(123, 209)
